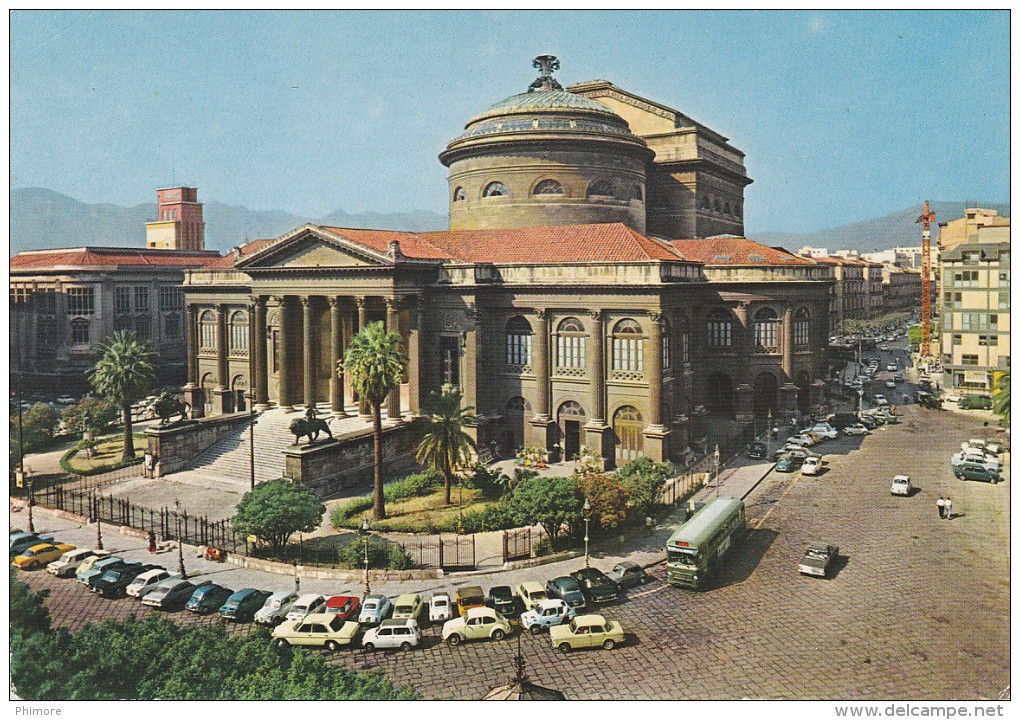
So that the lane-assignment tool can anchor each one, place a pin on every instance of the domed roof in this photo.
(542, 100)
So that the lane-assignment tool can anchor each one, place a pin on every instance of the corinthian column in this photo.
(336, 381)
(393, 326)
(309, 364)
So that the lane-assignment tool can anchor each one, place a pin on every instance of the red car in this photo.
(343, 605)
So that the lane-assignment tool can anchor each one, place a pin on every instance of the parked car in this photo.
(952, 397)
(891, 384)
(787, 462)
(825, 430)
(243, 604)
(977, 457)
(276, 607)
(881, 400)
(818, 559)
(530, 592)
(65, 400)
(440, 607)
(207, 599)
(898, 377)
(468, 597)
(305, 605)
(403, 634)
(811, 466)
(145, 582)
(501, 598)
(407, 607)
(374, 610)
(67, 563)
(113, 583)
(87, 572)
(974, 471)
(803, 439)
(587, 631)
(171, 593)
(23, 541)
(566, 589)
(596, 586)
(39, 555)
(478, 623)
(757, 451)
(892, 367)
(328, 630)
(856, 429)
(545, 614)
(346, 606)
(901, 485)
(627, 574)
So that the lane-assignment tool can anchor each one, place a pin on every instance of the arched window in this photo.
(548, 187)
(706, 203)
(570, 344)
(571, 409)
(628, 347)
(459, 194)
(802, 327)
(239, 333)
(495, 189)
(80, 331)
(518, 341)
(720, 328)
(766, 330)
(627, 426)
(207, 331)
(601, 189)
(636, 194)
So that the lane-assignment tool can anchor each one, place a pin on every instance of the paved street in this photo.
(919, 608)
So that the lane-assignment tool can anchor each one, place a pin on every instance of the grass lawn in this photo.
(421, 514)
(107, 452)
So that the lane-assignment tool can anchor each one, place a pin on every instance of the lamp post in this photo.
(363, 531)
(716, 470)
(99, 524)
(768, 437)
(180, 542)
(586, 514)
(31, 496)
(251, 444)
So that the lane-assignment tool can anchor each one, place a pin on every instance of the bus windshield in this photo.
(683, 558)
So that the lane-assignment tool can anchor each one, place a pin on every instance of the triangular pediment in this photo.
(311, 247)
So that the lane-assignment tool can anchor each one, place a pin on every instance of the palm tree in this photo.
(445, 445)
(375, 365)
(1000, 399)
(124, 373)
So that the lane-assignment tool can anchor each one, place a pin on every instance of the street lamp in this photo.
(586, 514)
(180, 542)
(99, 524)
(31, 497)
(363, 531)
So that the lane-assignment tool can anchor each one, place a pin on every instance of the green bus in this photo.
(695, 551)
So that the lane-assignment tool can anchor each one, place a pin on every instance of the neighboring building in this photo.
(974, 300)
(904, 257)
(873, 289)
(850, 297)
(901, 289)
(546, 303)
(63, 302)
(180, 225)
(813, 252)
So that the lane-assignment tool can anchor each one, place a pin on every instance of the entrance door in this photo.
(571, 439)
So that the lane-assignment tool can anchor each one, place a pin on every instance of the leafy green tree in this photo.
(1000, 399)
(607, 497)
(444, 444)
(275, 510)
(124, 373)
(375, 365)
(551, 501)
(101, 414)
(42, 419)
(643, 479)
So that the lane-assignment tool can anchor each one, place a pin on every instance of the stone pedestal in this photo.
(223, 401)
(598, 437)
(745, 404)
(543, 431)
(173, 447)
(195, 396)
(656, 442)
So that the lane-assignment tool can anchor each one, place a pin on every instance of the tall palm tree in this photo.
(445, 444)
(124, 373)
(375, 365)
(1000, 400)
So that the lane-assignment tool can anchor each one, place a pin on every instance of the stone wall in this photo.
(334, 465)
(174, 447)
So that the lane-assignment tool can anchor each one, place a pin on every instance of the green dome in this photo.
(543, 100)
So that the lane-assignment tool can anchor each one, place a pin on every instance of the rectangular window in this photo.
(518, 349)
(720, 333)
(207, 336)
(81, 301)
(122, 300)
(80, 332)
(239, 339)
(988, 340)
(141, 299)
(993, 322)
(142, 327)
(685, 346)
(957, 339)
(46, 331)
(172, 326)
(1003, 279)
(45, 301)
(801, 332)
(276, 351)
(171, 298)
(449, 360)
(1004, 300)
(570, 351)
(969, 359)
(766, 335)
(628, 354)
(665, 351)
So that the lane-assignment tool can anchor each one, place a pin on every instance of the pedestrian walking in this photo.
(942, 507)
(949, 508)
(649, 524)
(152, 541)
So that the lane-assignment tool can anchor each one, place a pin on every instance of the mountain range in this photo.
(42, 218)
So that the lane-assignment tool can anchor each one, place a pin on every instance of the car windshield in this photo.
(402, 609)
(371, 605)
(274, 604)
(817, 553)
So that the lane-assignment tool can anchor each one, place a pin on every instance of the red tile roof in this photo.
(736, 251)
(109, 257)
(227, 261)
(411, 245)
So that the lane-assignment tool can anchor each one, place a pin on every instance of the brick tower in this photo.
(180, 225)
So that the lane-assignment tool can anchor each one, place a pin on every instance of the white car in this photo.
(891, 384)
(811, 466)
(145, 582)
(67, 563)
(65, 400)
(880, 400)
(857, 429)
(952, 397)
(276, 608)
(403, 634)
(547, 613)
(901, 485)
(803, 439)
(305, 605)
(976, 456)
(825, 430)
(374, 610)
(892, 367)
(440, 607)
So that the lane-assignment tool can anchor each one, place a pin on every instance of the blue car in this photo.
(242, 605)
(208, 598)
(23, 541)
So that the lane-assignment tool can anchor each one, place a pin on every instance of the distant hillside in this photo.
(42, 218)
(878, 234)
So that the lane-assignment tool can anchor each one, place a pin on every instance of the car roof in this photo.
(481, 610)
(151, 573)
(377, 597)
(324, 618)
(397, 623)
(308, 599)
(588, 619)
(901, 478)
(530, 586)
(282, 594)
(471, 591)
(628, 564)
(820, 547)
(41, 546)
(407, 598)
(244, 592)
(339, 600)
(550, 602)
(440, 596)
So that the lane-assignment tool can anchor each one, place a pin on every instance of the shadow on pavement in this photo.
(743, 560)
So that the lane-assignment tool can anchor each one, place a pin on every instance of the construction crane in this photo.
(926, 219)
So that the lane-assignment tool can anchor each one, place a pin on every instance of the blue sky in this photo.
(843, 115)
